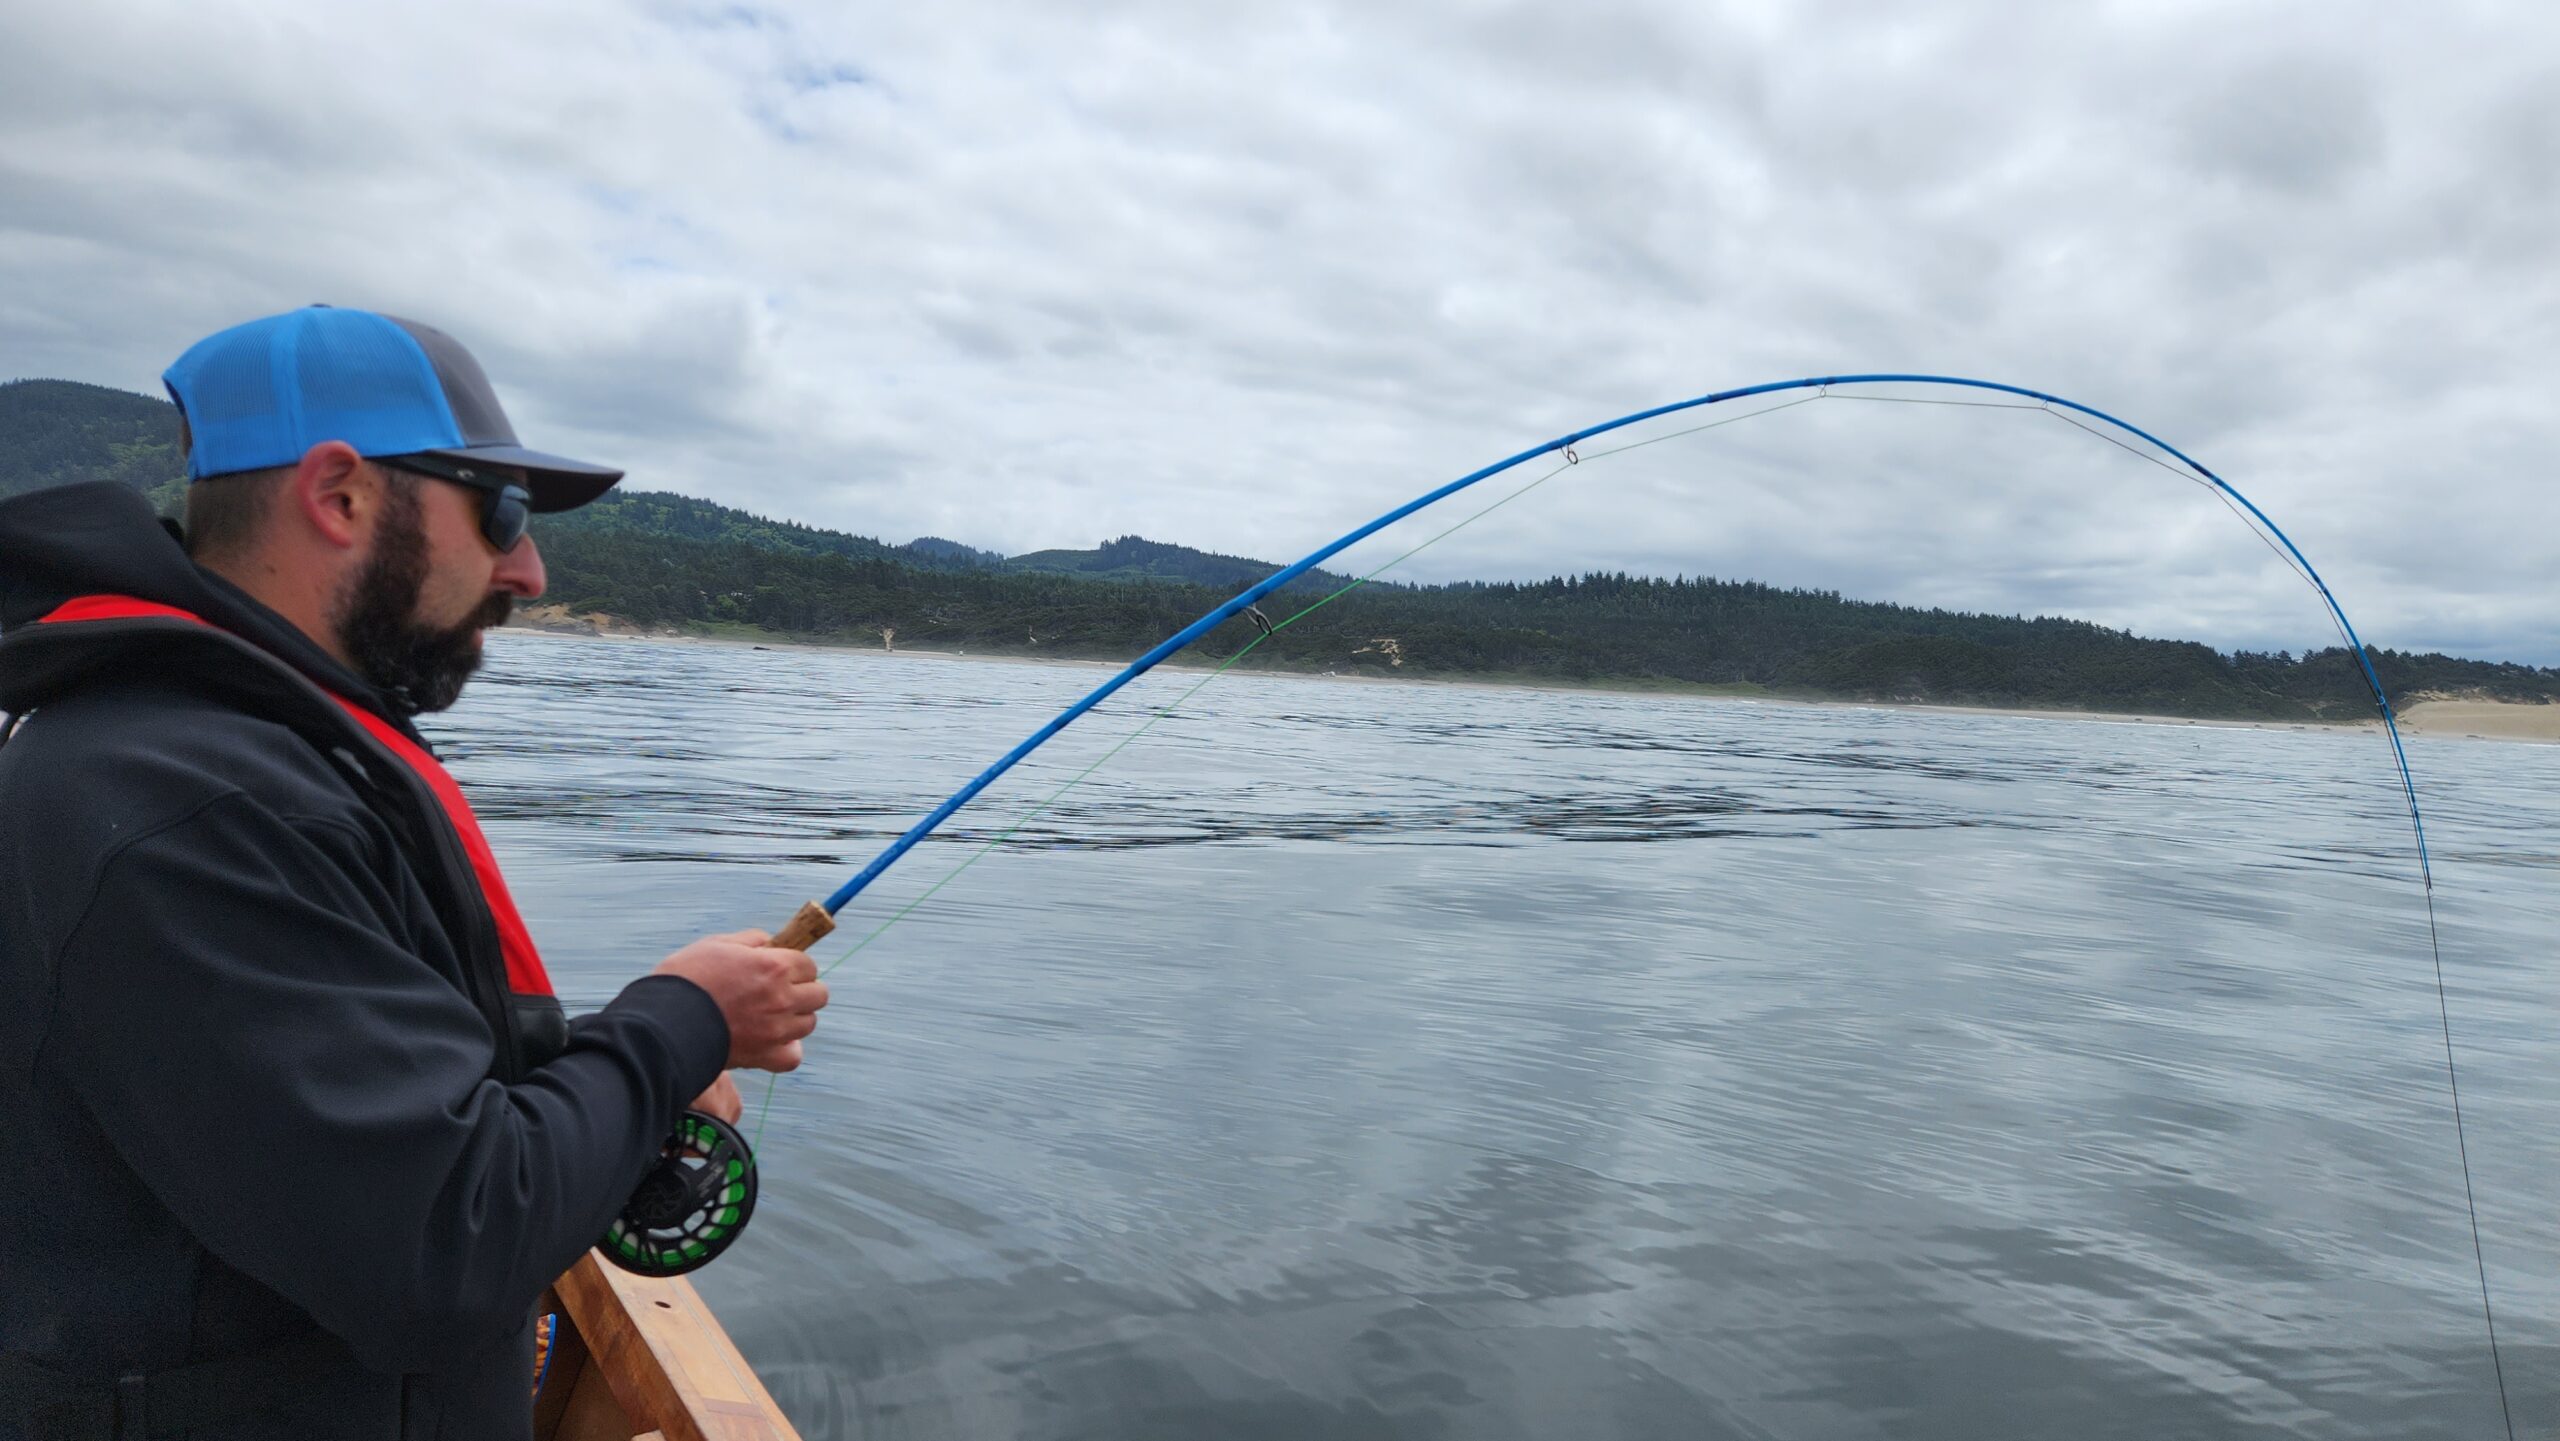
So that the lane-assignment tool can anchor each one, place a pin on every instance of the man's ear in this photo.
(334, 493)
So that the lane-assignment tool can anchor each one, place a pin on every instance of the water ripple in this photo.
(1360, 1060)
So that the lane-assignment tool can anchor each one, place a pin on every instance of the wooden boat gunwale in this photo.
(640, 1358)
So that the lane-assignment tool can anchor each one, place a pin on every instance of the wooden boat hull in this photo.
(642, 1357)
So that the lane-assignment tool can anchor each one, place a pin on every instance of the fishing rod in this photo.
(817, 918)
(692, 1207)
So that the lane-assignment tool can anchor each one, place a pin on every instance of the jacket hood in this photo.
(101, 538)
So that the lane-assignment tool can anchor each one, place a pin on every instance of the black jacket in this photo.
(258, 1054)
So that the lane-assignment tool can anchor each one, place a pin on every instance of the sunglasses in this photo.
(506, 508)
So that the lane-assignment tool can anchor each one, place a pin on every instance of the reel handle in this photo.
(691, 1206)
(695, 1201)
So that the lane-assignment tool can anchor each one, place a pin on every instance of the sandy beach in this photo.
(2435, 719)
(2483, 720)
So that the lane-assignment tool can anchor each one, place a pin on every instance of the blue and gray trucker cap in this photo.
(259, 395)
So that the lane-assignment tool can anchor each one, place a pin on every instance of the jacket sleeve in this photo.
(312, 1100)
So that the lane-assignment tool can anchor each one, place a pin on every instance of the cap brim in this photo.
(557, 482)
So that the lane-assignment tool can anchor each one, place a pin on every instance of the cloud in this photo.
(2290, 123)
(1240, 277)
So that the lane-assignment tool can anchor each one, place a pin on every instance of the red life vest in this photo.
(525, 973)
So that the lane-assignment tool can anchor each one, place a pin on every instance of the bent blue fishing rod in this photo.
(723, 1157)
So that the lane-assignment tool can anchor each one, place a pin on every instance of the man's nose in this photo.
(520, 572)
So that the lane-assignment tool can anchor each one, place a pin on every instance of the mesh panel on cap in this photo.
(466, 388)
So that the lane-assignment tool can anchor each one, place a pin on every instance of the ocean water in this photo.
(1352, 1059)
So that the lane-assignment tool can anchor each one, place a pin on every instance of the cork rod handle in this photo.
(806, 928)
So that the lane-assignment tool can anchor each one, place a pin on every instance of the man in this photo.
(299, 1132)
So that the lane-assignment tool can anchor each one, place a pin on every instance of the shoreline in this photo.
(2431, 719)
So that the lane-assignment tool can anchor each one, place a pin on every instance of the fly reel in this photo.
(692, 1204)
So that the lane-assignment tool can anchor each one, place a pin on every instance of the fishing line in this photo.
(2143, 455)
(2426, 870)
(1248, 648)
(765, 1108)
(2069, 411)
(1934, 400)
(2444, 1015)
(2134, 451)
(1143, 727)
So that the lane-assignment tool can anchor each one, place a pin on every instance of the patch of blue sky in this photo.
(649, 233)
(808, 89)
(772, 121)
(728, 17)
(613, 200)
(808, 78)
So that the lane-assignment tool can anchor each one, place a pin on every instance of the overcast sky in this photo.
(1242, 276)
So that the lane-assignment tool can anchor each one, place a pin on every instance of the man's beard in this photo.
(416, 667)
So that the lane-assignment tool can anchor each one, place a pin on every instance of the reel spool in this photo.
(692, 1204)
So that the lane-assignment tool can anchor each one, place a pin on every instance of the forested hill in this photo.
(1137, 558)
(53, 431)
(660, 560)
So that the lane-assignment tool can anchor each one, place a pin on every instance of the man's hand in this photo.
(721, 1100)
(769, 996)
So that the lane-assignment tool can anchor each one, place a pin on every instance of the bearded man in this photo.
(300, 1132)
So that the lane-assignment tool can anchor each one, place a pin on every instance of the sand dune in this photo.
(2500, 720)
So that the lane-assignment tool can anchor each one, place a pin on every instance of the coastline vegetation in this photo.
(662, 561)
